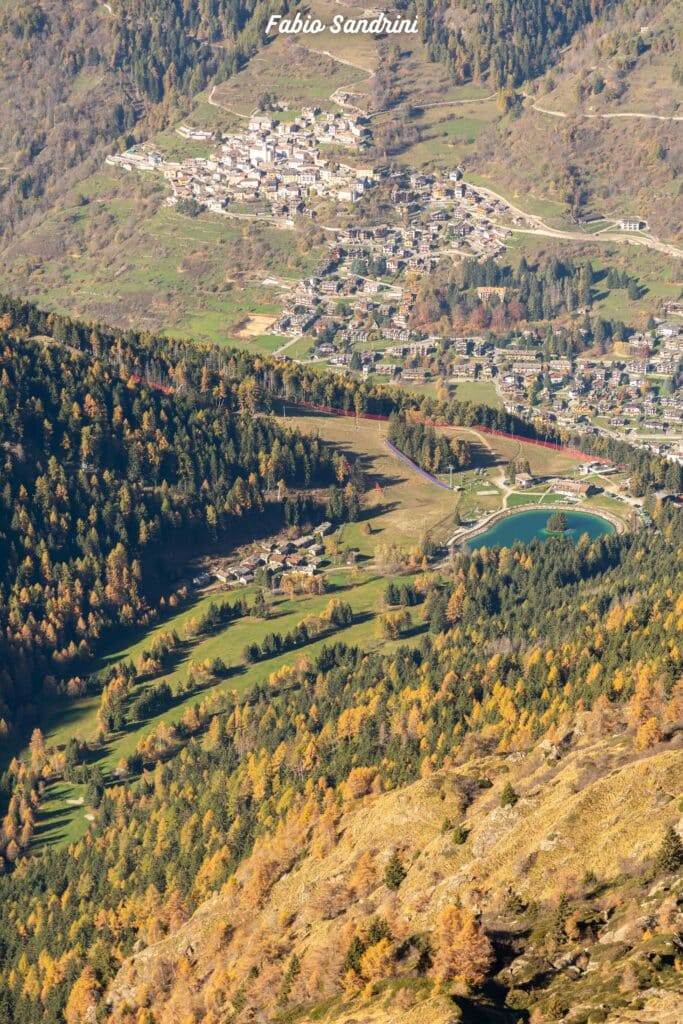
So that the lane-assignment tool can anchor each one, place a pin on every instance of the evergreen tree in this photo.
(508, 798)
(670, 854)
(394, 872)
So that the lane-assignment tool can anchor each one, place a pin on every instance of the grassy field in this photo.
(658, 275)
(553, 211)
(660, 278)
(532, 498)
(228, 644)
(116, 253)
(544, 462)
(62, 817)
(300, 349)
(400, 508)
(482, 392)
(448, 134)
(61, 821)
(404, 509)
(291, 73)
(408, 506)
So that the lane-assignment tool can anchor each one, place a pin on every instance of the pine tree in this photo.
(459, 835)
(394, 873)
(670, 854)
(352, 957)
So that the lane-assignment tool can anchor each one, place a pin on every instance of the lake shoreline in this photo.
(462, 538)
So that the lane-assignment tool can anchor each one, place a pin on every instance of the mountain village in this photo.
(357, 307)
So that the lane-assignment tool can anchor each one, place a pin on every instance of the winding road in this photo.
(541, 228)
(537, 225)
(604, 117)
(221, 106)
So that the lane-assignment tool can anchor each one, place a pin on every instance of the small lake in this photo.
(526, 526)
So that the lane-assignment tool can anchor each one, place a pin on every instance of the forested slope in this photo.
(505, 41)
(568, 646)
(80, 77)
(624, 64)
(100, 472)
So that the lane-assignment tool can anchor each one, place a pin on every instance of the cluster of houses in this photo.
(465, 212)
(362, 291)
(441, 216)
(275, 166)
(625, 389)
(302, 556)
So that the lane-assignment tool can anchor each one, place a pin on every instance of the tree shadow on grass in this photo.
(52, 826)
(493, 1011)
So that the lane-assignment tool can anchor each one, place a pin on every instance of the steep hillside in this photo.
(566, 843)
(80, 236)
(488, 812)
(63, 100)
(78, 77)
(101, 471)
(505, 42)
(602, 130)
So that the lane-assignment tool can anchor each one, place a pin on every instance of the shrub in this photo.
(508, 798)
(459, 835)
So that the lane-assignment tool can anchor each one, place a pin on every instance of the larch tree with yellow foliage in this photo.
(463, 950)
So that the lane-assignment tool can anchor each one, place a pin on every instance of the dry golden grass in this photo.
(254, 325)
(413, 506)
(402, 1006)
(593, 810)
(544, 462)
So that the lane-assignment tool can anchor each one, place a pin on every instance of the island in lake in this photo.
(538, 525)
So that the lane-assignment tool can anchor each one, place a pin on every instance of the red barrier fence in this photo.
(575, 452)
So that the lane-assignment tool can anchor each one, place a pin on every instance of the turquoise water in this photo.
(525, 526)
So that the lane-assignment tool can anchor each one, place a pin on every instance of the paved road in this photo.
(287, 344)
(604, 236)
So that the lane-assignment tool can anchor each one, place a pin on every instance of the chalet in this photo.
(572, 488)
(464, 371)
